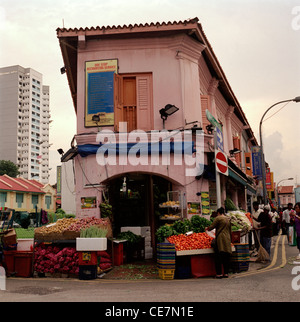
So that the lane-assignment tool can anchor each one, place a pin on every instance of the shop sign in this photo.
(88, 202)
(99, 92)
(205, 204)
(58, 180)
(256, 162)
(269, 180)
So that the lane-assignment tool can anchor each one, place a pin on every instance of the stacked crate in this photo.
(145, 232)
(240, 258)
(166, 255)
(87, 265)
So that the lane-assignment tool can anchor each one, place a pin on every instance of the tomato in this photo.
(193, 241)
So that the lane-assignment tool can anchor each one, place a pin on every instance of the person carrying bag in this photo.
(222, 246)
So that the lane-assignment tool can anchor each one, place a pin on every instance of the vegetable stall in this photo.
(192, 254)
(56, 250)
(183, 248)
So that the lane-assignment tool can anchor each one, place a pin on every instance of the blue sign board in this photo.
(100, 93)
(256, 162)
(220, 143)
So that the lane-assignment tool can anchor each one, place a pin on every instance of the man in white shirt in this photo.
(256, 212)
(286, 219)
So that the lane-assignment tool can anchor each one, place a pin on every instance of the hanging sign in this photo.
(218, 127)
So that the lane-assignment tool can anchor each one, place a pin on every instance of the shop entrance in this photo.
(135, 198)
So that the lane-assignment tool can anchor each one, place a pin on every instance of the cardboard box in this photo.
(10, 238)
(91, 244)
(140, 231)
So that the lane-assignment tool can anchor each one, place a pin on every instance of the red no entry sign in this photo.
(221, 162)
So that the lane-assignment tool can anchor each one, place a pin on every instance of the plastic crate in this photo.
(118, 254)
(241, 253)
(87, 272)
(238, 267)
(203, 265)
(166, 274)
(23, 264)
(182, 272)
(9, 258)
(166, 256)
(235, 237)
(87, 258)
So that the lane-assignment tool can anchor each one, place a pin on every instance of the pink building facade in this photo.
(147, 67)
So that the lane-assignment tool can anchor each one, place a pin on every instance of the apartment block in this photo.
(24, 121)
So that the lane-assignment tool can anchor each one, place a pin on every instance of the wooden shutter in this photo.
(118, 100)
(248, 163)
(237, 145)
(129, 103)
(144, 102)
(205, 104)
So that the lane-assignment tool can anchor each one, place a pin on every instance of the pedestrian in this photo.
(222, 250)
(286, 218)
(265, 228)
(256, 212)
(275, 221)
(296, 219)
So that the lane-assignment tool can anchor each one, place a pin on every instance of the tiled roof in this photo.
(20, 184)
(286, 189)
(130, 26)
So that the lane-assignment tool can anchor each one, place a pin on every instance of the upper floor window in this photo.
(133, 101)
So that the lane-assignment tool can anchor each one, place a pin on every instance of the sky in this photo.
(257, 43)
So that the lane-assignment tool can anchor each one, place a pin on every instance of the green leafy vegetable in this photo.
(164, 232)
(199, 224)
(130, 237)
(93, 232)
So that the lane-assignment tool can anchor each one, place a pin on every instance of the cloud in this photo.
(279, 157)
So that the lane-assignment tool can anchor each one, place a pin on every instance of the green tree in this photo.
(9, 168)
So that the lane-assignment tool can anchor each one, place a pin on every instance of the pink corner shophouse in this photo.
(144, 97)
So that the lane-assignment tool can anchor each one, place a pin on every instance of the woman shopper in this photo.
(296, 219)
(223, 242)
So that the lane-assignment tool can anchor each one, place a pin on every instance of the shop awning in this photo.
(138, 148)
(236, 174)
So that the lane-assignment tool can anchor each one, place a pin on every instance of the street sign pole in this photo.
(218, 181)
(218, 145)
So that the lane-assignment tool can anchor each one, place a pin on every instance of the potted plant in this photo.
(92, 239)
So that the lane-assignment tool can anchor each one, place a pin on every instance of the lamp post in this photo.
(278, 201)
(297, 100)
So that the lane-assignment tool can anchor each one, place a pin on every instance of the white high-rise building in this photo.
(24, 121)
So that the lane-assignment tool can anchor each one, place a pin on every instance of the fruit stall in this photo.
(184, 248)
(55, 250)
(66, 248)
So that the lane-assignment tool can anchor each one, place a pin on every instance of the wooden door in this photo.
(129, 103)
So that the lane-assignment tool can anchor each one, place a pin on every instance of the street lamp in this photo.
(297, 100)
(168, 110)
(278, 200)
